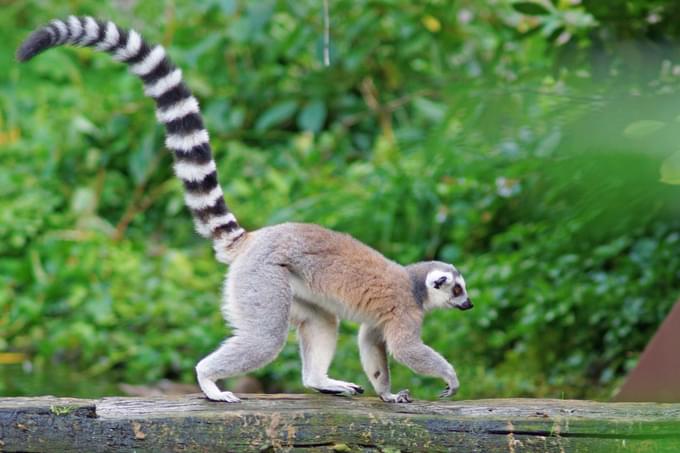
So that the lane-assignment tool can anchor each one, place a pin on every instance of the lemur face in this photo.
(446, 289)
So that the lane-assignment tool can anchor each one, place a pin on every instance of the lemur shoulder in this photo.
(289, 274)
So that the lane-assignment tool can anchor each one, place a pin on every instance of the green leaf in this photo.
(83, 201)
(431, 110)
(531, 8)
(140, 159)
(670, 169)
(643, 128)
(258, 14)
(228, 7)
(275, 114)
(312, 116)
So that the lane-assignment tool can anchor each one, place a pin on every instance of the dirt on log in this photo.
(324, 423)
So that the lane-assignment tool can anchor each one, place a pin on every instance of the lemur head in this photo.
(438, 285)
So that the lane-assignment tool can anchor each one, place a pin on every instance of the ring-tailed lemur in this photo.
(288, 274)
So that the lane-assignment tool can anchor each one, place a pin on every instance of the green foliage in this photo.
(61, 410)
(522, 141)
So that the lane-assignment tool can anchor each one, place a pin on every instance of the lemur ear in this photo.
(436, 279)
(439, 282)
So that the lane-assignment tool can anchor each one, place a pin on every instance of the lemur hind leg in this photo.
(258, 308)
(318, 332)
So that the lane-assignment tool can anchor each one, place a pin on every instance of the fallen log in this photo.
(325, 423)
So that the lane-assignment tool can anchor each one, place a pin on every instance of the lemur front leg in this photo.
(408, 349)
(318, 333)
(373, 353)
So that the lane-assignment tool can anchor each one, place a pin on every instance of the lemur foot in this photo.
(335, 387)
(404, 396)
(211, 391)
(227, 397)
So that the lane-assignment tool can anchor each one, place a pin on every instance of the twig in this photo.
(138, 206)
(326, 35)
(130, 212)
(371, 97)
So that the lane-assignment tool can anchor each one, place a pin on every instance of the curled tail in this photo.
(176, 108)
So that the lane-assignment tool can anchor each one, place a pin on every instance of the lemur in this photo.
(292, 274)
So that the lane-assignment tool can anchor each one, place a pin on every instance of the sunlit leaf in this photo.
(83, 125)
(228, 7)
(259, 13)
(642, 128)
(670, 169)
(312, 116)
(84, 201)
(434, 111)
(276, 114)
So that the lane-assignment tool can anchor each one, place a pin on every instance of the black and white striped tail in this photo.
(176, 108)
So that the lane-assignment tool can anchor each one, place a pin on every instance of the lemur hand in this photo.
(451, 389)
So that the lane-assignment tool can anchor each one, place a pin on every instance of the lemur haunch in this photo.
(289, 274)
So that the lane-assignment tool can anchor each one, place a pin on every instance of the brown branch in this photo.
(138, 205)
(389, 107)
(371, 97)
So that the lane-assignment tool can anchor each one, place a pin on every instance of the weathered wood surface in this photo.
(324, 423)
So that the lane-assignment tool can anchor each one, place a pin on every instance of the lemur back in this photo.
(332, 270)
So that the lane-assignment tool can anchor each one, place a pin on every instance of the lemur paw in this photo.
(404, 396)
(448, 391)
(334, 387)
(227, 397)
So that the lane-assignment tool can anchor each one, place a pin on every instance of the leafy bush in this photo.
(524, 144)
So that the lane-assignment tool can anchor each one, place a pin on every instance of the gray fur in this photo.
(373, 353)
(422, 359)
(307, 276)
(418, 288)
(258, 311)
(418, 272)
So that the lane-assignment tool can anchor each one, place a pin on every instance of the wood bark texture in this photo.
(324, 423)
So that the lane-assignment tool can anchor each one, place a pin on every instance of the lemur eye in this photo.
(457, 290)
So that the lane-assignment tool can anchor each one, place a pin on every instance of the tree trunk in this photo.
(325, 423)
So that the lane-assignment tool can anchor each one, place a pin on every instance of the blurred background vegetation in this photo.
(534, 145)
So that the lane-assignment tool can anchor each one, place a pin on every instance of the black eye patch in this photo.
(457, 290)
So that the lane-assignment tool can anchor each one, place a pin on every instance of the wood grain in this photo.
(324, 423)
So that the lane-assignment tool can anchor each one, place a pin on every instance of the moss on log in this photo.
(324, 423)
